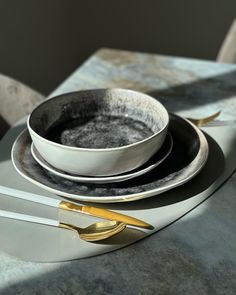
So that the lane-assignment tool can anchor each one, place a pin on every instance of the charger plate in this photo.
(155, 161)
(188, 157)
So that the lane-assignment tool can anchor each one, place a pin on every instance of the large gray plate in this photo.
(188, 156)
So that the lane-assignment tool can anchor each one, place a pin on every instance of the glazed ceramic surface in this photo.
(188, 156)
(156, 160)
(99, 132)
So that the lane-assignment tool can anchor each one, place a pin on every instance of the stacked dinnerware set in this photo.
(105, 146)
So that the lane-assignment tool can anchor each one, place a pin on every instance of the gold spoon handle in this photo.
(203, 121)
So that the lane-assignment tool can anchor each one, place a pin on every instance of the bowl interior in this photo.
(99, 118)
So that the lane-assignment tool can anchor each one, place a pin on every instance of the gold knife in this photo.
(66, 205)
(104, 213)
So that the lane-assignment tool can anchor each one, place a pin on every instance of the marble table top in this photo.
(194, 255)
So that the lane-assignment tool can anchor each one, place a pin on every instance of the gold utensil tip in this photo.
(105, 214)
(97, 231)
(203, 121)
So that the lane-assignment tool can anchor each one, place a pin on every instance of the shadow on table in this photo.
(3, 126)
(197, 93)
(191, 257)
(7, 141)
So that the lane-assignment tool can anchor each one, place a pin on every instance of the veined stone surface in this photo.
(181, 84)
(196, 254)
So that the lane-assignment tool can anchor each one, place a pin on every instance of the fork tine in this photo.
(203, 121)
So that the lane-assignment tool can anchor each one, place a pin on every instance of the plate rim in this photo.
(134, 196)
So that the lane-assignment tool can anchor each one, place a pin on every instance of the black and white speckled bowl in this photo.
(98, 132)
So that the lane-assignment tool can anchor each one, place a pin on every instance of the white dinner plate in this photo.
(156, 160)
(188, 157)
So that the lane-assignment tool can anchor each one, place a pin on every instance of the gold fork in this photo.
(205, 120)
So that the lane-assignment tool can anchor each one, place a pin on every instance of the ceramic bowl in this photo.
(98, 132)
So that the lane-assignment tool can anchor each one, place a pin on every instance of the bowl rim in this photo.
(73, 148)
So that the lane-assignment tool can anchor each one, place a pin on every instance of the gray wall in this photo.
(42, 41)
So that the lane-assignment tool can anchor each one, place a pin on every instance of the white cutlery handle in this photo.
(29, 218)
(29, 196)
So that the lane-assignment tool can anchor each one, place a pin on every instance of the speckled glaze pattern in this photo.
(100, 131)
(100, 118)
(172, 172)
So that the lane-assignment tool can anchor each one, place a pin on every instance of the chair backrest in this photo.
(16, 101)
(227, 52)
